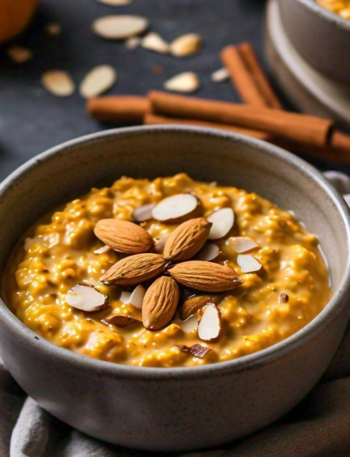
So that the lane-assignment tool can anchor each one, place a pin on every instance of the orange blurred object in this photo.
(14, 17)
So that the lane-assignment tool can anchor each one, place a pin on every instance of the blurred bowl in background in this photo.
(15, 15)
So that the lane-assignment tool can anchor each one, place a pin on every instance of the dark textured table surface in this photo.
(32, 120)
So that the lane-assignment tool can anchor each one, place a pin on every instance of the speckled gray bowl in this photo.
(180, 408)
(322, 38)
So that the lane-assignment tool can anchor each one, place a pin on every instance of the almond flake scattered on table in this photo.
(119, 27)
(19, 54)
(115, 2)
(220, 75)
(53, 29)
(133, 42)
(97, 81)
(154, 42)
(58, 82)
(186, 82)
(186, 45)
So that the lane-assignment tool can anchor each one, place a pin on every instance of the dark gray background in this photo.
(32, 120)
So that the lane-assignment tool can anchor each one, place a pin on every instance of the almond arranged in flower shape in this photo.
(197, 350)
(205, 276)
(193, 304)
(187, 240)
(177, 209)
(143, 213)
(222, 221)
(86, 298)
(160, 303)
(134, 270)
(240, 244)
(123, 236)
(210, 323)
(120, 320)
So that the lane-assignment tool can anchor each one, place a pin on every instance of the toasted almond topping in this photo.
(248, 263)
(19, 54)
(222, 221)
(115, 2)
(102, 250)
(186, 82)
(189, 325)
(143, 213)
(160, 243)
(136, 298)
(177, 209)
(125, 296)
(160, 303)
(220, 75)
(210, 323)
(53, 29)
(197, 350)
(186, 45)
(86, 298)
(194, 304)
(205, 276)
(58, 83)
(124, 236)
(155, 42)
(134, 270)
(133, 42)
(208, 253)
(120, 320)
(119, 27)
(240, 244)
(186, 240)
(98, 81)
(283, 298)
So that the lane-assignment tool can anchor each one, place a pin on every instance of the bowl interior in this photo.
(70, 170)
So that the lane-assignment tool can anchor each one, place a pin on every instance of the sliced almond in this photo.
(120, 320)
(115, 2)
(125, 296)
(124, 236)
(208, 253)
(248, 263)
(155, 42)
(134, 270)
(102, 250)
(133, 42)
(58, 83)
(98, 81)
(186, 83)
(119, 27)
(160, 303)
(220, 75)
(283, 298)
(186, 45)
(222, 221)
(137, 296)
(86, 298)
(186, 240)
(210, 323)
(205, 276)
(177, 209)
(160, 243)
(197, 350)
(189, 325)
(143, 213)
(53, 29)
(19, 54)
(240, 244)
(194, 304)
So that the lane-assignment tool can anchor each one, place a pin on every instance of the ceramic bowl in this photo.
(321, 37)
(178, 408)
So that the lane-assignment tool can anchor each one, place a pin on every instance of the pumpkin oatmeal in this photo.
(167, 273)
(341, 7)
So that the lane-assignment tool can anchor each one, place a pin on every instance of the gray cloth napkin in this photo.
(319, 426)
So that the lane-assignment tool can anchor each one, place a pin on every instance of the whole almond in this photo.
(123, 236)
(193, 304)
(160, 303)
(205, 276)
(133, 270)
(120, 320)
(187, 240)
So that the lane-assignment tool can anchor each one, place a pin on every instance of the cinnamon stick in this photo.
(248, 77)
(120, 109)
(298, 128)
(153, 119)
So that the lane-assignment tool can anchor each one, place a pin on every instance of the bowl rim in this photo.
(271, 354)
(325, 14)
